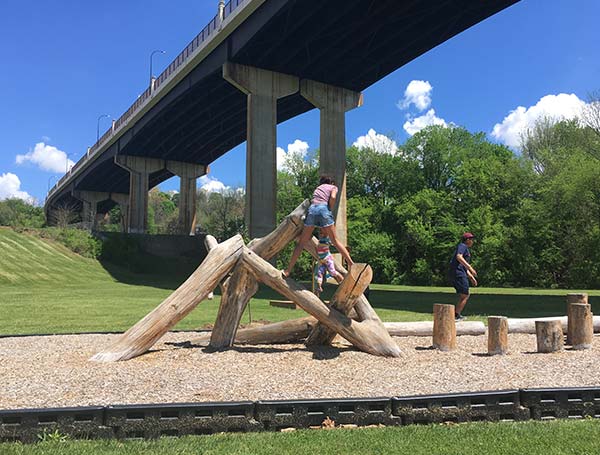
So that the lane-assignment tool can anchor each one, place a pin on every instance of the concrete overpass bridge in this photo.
(256, 64)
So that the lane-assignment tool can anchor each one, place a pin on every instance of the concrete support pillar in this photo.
(263, 88)
(187, 173)
(90, 201)
(139, 169)
(333, 103)
(123, 200)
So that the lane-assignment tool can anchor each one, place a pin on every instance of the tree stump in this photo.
(549, 336)
(581, 325)
(444, 327)
(497, 335)
(573, 298)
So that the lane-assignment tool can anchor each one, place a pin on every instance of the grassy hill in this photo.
(46, 288)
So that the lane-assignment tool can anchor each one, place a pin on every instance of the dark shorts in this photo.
(319, 216)
(461, 284)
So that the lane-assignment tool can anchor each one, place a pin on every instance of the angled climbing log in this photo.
(139, 338)
(241, 286)
(346, 295)
(368, 336)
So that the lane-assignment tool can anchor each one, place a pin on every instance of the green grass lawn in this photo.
(531, 438)
(45, 288)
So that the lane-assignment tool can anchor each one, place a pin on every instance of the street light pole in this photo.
(49, 180)
(98, 126)
(158, 51)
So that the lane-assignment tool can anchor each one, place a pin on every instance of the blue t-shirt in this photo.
(456, 267)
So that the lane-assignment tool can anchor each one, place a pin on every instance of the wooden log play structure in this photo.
(497, 335)
(527, 325)
(549, 336)
(581, 326)
(571, 299)
(444, 327)
(242, 268)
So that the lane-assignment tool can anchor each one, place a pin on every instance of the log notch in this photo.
(296, 330)
(444, 327)
(241, 286)
(344, 299)
(497, 335)
(527, 325)
(367, 336)
(139, 338)
(549, 336)
(581, 325)
(573, 298)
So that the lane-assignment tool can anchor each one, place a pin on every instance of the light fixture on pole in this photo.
(158, 51)
(98, 126)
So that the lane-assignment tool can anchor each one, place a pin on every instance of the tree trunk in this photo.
(444, 327)
(581, 325)
(497, 335)
(366, 336)
(549, 336)
(139, 338)
(573, 298)
(242, 286)
(527, 325)
(344, 299)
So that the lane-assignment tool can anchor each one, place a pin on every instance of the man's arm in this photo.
(471, 278)
(463, 261)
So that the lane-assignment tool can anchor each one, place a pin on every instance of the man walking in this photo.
(461, 273)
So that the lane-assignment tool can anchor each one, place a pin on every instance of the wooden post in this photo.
(139, 338)
(549, 336)
(344, 299)
(497, 335)
(581, 325)
(241, 286)
(573, 298)
(368, 336)
(444, 327)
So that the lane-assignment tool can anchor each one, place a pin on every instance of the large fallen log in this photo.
(527, 325)
(241, 286)
(368, 336)
(344, 299)
(296, 330)
(139, 338)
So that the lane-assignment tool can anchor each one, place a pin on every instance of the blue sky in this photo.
(67, 62)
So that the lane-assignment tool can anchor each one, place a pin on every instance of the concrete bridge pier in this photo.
(333, 103)
(90, 200)
(263, 88)
(139, 169)
(187, 173)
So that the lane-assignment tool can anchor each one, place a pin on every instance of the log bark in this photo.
(444, 327)
(344, 299)
(497, 335)
(139, 338)
(549, 336)
(210, 242)
(366, 336)
(242, 286)
(581, 325)
(527, 325)
(296, 330)
(573, 298)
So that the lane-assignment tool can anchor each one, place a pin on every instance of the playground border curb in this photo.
(150, 421)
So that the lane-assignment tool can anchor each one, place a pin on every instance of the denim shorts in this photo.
(319, 215)
(461, 284)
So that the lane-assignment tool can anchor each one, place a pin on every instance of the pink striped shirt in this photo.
(322, 193)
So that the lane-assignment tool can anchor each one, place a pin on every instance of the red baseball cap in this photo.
(467, 235)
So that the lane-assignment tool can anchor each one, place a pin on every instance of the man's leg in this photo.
(462, 301)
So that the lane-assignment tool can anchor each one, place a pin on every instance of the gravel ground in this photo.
(54, 371)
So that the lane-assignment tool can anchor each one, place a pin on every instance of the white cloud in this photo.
(414, 125)
(10, 187)
(379, 143)
(417, 93)
(212, 185)
(297, 148)
(47, 157)
(556, 107)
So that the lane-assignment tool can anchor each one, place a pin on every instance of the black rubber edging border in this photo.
(150, 421)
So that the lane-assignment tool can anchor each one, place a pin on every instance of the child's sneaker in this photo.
(459, 317)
